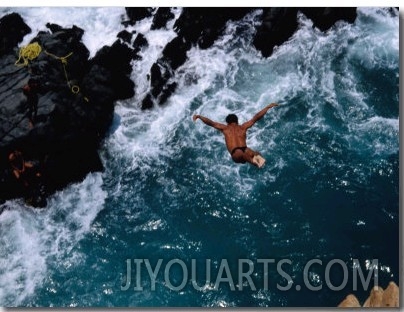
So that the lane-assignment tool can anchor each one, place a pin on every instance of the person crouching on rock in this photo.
(30, 90)
(22, 170)
(29, 176)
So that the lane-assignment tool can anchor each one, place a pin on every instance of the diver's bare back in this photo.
(235, 136)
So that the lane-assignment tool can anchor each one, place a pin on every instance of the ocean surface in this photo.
(329, 190)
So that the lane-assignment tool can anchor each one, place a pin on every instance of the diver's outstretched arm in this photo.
(258, 116)
(209, 122)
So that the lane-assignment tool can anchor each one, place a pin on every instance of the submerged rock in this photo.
(75, 102)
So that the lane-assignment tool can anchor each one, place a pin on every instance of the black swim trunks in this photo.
(243, 148)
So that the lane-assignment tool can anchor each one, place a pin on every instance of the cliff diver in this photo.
(235, 136)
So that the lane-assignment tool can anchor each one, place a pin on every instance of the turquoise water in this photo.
(329, 189)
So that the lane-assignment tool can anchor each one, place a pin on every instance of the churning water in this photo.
(329, 189)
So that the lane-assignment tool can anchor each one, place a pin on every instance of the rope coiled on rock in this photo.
(32, 51)
(28, 53)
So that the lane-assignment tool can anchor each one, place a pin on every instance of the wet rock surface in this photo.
(58, 125)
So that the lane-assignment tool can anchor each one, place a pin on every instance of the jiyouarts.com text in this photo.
(208, 274)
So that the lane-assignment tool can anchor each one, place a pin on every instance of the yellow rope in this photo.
(74, 88)
(28, 53)
(32, 51)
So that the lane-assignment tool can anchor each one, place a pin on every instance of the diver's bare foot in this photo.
(259, 161)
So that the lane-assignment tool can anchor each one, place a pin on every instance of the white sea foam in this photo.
(156, 41)
(101, 24)
(378, 46)
(34, 241)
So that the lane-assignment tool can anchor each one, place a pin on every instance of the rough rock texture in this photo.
(75, 108)
(375, 299)
(204, 25)
(162, 16)
(325, 18)
(378, 298)
(279, 24)
(137, 14)
(350, 302)
(12, 31)
(138, 44)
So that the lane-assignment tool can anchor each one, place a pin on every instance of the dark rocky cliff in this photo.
(75, 99)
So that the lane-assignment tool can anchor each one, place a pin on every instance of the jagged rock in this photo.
(75, 109)
(12, 31)
(204, 25)
(350, 302)
(174, 55)
(161, 17)
(175, 52)
(147, 102)
(167, 91)
(125, 35)
(324, 18)
(117, 59)
(137, 14)
(138, 44)
(278, 25)
(391, 296)
(378, 298)
(375, 298)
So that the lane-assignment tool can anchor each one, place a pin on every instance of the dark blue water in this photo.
(329, 189)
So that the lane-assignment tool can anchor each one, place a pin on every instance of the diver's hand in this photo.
(272, 105)
(195, 117)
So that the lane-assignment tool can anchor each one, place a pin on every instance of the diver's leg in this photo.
(254, 158)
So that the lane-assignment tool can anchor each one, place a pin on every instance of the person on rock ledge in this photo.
(22, 170)
(236, 135)
(30, 177)
(30, 90)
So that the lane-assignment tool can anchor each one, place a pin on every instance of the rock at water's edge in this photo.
(75, 104)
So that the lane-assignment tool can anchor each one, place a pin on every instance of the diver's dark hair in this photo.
(231, 118)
